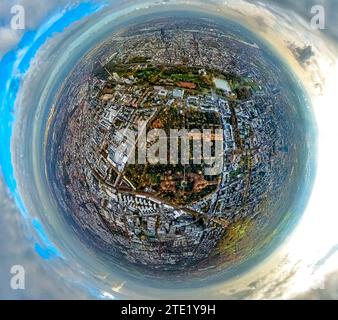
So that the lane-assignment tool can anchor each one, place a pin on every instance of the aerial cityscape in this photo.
(168, 150)
(162, 77)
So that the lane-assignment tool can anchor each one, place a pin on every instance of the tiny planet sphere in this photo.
(176, 146)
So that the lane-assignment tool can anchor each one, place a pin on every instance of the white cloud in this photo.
(36, 11)
(8, 39)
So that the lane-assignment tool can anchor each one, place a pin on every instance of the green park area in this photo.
(179, 184)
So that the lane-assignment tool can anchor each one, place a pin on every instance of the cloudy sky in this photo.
(38, 10)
